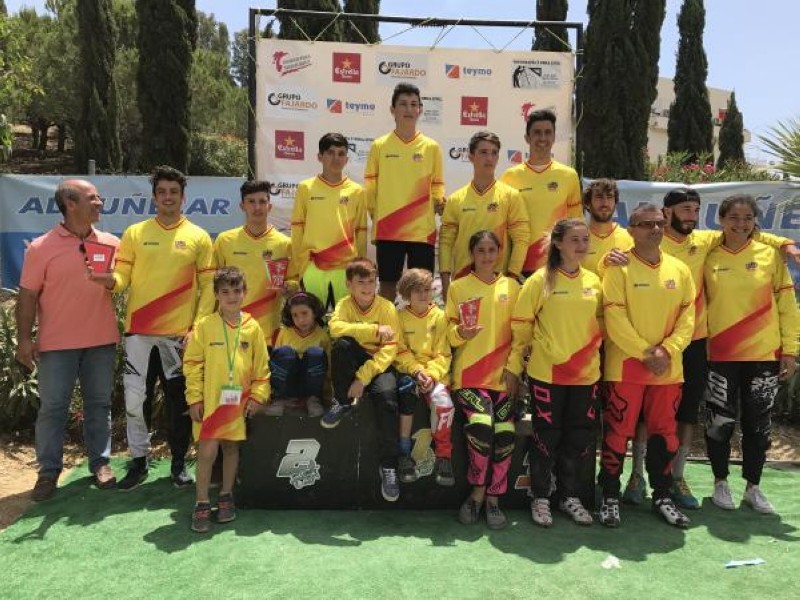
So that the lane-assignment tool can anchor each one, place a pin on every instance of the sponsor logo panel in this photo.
(432, 110)
(536, 74)
(285, 62)
(289, 145)
(474, 110)
(392, 68)
(346, 67)
(292, 102)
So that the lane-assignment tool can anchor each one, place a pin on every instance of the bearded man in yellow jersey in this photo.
(551, 191)
(167, 265)
(600, 199)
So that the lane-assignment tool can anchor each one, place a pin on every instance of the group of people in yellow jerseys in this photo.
(240, 323)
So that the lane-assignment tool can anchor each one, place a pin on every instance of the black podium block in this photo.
(293, 462)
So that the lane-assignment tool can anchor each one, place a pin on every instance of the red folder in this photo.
(276, 272)
(99, 255)
(469, 312)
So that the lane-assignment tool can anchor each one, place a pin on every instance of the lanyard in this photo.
(231, 355)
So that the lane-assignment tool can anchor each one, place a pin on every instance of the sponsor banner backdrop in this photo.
(28, 209)
(305, 90)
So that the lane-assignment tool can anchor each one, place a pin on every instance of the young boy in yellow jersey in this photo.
(166, 263)
(423, 360)
(227, 377)
(253, 248)
(404, 186)
(600, 199)
(550, 190)
(484, 203)
(329, 224)
(649, 320)
(364, 328)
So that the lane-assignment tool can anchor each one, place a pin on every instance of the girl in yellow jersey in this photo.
(479, 309)
(557, 316)
(753, 327)
(300, 355)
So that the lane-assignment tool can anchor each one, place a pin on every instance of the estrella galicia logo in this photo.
(299, 464)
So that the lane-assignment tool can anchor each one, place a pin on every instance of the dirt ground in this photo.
(18, 466)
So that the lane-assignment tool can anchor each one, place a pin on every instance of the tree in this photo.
(240, 53)
(783, 142)
(165, 61)
(731, 136)
(551, 39)
(97, 135)
(602, 147)
(368, 29)
(690, 129)
(301, 28)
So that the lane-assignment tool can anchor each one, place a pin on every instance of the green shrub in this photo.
(216, 155)
(674, 168)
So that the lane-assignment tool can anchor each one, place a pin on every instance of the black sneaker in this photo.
(609, 512)
(44, 489)
(181, 479)
(406, 469)
(136, 475)
(335, 414)
(201, 517)
(443, 472)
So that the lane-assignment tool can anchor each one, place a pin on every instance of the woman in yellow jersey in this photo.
(557, 317)
(479, 309)
(753, 327)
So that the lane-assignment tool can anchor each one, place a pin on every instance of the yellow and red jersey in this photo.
(349, 320)
(239, 248)
(206, 367)
(290, 336)
(404, 182)
(560, 326)
(752, 312)
(480, 362)
(500, 209)
(647, 305)
(329, 224)
(549, 196)
(423, 344)
(600, 245)
(170, 274)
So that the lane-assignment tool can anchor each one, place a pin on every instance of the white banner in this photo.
(305, 90)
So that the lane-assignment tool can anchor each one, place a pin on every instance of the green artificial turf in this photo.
(87, 543)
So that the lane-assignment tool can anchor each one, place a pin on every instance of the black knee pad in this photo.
(658, 451)
(504, 442)
(479, 437)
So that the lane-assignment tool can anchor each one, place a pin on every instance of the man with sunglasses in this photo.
(649, 317)
(55, 291)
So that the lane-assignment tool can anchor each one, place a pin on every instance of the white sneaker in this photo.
(540, 512)
(756, 498)
(573, 507)
(670, 513)
(722, 496)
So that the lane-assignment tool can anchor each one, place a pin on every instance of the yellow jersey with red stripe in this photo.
(239, 248)
(404, 182)
(213, 343)
(647, 305)
(500, 209)
(752, 312)
(170, 274)
(290, 336)
(480, 361)
(600, 245)
(423, 344)
(329, 224)
(349, 320)
(549, 196)
(560, 326)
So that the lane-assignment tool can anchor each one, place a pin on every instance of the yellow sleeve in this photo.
(361, 225)
(615, 312)
(447, 237)
(363, 333)
(519, 231)
(453, 320)
(260, 388)
(205, 278)
(522, 319)
(675, 343)
(788, 315)
(371, 179)
(219, 261)
(194, 366)
(298, 225)
(437, 179)
(439, 367)
(386, 353)
(405, 361)
(123, 265)
(773, 240)
(574, 200)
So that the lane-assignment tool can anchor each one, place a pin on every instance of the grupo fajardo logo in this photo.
(282, 189)
(338, 106)
(474, 110)
(286, 63)
(466, 72)
(297, 101)
(458, 150)
(536, 74)
(346, 67)
(289, 145)
(408, 67)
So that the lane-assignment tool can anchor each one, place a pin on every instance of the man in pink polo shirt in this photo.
(77, 336)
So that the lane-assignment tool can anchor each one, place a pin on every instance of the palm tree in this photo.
(783, 142)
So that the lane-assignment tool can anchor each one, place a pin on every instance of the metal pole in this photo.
(92, 167)
(251, 95)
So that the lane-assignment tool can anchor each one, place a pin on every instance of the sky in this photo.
(748, 43)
